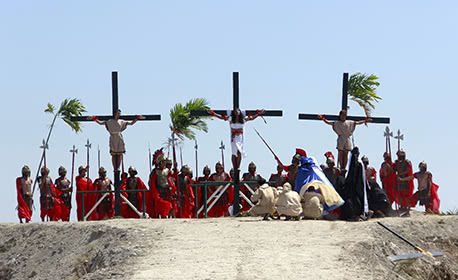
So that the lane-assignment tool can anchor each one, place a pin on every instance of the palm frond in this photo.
(50, 109)
(182, 121)
(71, 108)
(362, 89)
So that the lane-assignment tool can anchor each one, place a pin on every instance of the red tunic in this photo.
(24, 212)
(106, 208)
(89, 199)
(434, 205)
(55, 213)
(200, 194)
(189, 199)
(126, 211)
(403, 196)
(162, 206)
(389, 182)
(226, 199)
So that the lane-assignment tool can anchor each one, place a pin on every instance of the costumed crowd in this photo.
(301, 189)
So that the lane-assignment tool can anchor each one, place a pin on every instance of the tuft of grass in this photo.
(453, 212)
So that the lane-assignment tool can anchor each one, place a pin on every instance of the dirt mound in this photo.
(228, 248)
(432, 233)
(66, 250)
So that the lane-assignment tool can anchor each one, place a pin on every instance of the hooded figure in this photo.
(264, 197)
(354, 189)
(312, 203)
(288, 202)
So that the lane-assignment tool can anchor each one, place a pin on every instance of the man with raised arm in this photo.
(344, 129)
(115, 126)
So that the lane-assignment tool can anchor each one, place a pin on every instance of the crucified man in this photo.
(115, 126)
(237, 122)
(344, 129)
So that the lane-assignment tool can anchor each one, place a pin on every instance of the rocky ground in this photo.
(228, 248)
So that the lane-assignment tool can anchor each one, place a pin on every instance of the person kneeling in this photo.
(265, 196)
(288, 203)
(312, 204)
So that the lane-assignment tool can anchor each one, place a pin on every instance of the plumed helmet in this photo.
(25, 170)
(132, 170)
(301, 152)
(158, 156)
(423, 164)
(329, 155)
(62, 171)
(330, 160)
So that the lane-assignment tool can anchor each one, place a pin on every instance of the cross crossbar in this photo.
(378, 120)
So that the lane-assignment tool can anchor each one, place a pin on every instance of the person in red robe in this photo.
(404, 188)
(65, 189)
(24, 195)
(200, 190)
(187, 199)
(388, 177)
(427, 190)
(292, 169)
(105, 209)
(162, 189)
(50, 203)
(85, 184)
(136, 199)
(221, 207)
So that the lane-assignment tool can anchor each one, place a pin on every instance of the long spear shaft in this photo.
(196, 147)
(73, 151)
(44, 177)
(88, 146)
(98, 157)
(149, 159)
(222, 147)
(266, 143)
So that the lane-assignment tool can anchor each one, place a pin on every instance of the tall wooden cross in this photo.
(344, 107)
(115, 106)
(236, 105)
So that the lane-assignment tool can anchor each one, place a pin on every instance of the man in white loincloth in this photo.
(344, 129)
(237, 122)
(115, 126)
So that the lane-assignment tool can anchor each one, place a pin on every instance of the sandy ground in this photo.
(226, 248)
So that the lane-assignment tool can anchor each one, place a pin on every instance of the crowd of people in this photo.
(300, 189)
(305, 190)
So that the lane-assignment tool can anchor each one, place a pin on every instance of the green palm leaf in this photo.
(183, 124)
(362, 89)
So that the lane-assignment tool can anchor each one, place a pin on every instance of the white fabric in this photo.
(237, 140)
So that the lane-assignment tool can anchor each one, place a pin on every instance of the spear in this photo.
(387, 134)
(149, 159)
(98, 156)
(266, 144)
(196, 147)
(44, 177)
(88, 146)
(399, 137)
(222, 147)
(73, 151)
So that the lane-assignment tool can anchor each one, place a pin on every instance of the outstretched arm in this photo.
(321, 117)
(137, 117)
(363, 121)
(96, 119)
(406, 178)
(213, 114)
(258, 113)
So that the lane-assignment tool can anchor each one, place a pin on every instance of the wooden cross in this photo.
(236, 105)
(115, 103)
(344, 107)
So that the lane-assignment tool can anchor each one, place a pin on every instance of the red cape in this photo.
(89, 199)
(161, 206)
(404, 196)
(98, 196)
(55, 213)
(389, 183)
(435, 201)
(219, 210)
(126, 211)
(24, 212)
(189, 202)
(65, 212)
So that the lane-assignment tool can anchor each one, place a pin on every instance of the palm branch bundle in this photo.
(362, 89)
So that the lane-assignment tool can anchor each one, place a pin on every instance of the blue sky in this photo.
(290, 55)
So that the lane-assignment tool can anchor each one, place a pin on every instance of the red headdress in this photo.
(158, 156)
(301, 152)
(329, 155)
